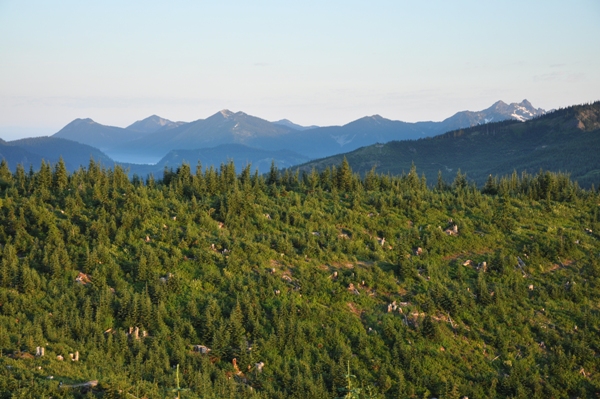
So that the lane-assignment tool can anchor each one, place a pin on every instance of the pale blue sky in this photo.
(314, 62)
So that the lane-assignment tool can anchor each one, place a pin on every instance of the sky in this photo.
(313, 62)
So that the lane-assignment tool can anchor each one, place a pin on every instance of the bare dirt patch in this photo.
(354, 309)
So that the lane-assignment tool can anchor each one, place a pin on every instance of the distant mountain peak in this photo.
(524, 111)
(82, 121)
(292, 125)
(153, 118)
(226, 113)
(526, 103)
(151, 124)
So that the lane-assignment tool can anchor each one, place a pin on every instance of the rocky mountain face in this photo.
(499, 111)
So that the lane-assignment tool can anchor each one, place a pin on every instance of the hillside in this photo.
(52, 149)
(244, 286)
(566, 140)
(86, 131)
(14, 155)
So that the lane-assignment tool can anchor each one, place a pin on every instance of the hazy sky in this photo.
(314, 62)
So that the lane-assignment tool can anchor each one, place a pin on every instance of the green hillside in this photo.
(567, 140)
(295, 281)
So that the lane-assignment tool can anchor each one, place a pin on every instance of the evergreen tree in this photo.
(343, 176)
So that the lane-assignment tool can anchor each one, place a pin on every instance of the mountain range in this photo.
(496, 140)
(155, 137)
(565, 140)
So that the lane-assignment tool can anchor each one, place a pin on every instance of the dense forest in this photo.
(213, 284)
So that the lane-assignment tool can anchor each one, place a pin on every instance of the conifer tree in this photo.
(343, 176)
(61, 176)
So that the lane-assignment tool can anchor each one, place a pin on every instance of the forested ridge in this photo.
(442, 290)
(564, 140)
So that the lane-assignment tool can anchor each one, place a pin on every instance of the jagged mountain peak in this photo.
(498, 111)
(498, 104)
(526, 103)
(524, 111)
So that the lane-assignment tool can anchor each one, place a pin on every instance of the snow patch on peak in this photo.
(525, 103)
(226, 113)
(376, 118)
(524, 111)
(160, 121)
(518, 117)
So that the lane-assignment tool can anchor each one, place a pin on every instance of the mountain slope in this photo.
(325, 141)
(215, 156)
(52, 149)
(566, 140)
(224, 127)
(269, 287)
(15, 155)
(86, 131)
